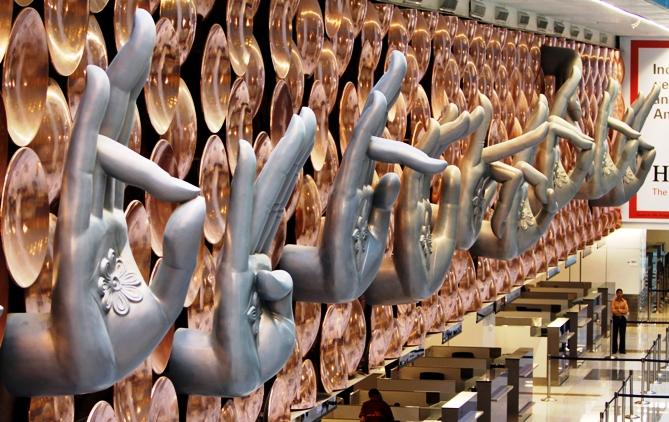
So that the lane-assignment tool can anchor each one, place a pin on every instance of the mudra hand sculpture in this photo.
(104, 319)
(422, 250)
(353, 241)
(641, 154)
(253, 331)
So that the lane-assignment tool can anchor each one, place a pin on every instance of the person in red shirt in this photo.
(375, 409)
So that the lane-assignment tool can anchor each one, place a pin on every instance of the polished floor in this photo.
(582, 396)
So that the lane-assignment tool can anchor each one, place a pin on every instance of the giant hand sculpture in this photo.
(481, 171)
(524, 226)
(104, 319)
(350, 250)
(641, 153)
(253, 330)
(606, 173)
(422, 250)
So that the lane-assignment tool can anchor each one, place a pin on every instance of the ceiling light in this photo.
(638, 18)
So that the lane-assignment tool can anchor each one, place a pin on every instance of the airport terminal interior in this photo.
(337, 210)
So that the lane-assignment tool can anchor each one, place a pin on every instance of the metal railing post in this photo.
(548, 397)
(643, 401)
(622, 402)
(631, 416)
(615, 406)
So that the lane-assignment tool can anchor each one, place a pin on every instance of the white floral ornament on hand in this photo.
(117, 286)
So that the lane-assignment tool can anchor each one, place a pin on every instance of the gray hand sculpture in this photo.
(606, 173)
(524, 225)
(422, 249)
(351, 248)
(641, 153)
(253, 330)
(104, 319)
(482, 170)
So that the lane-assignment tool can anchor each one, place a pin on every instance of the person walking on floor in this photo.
(375, 409)
(620, 310)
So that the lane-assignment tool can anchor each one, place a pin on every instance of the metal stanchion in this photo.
(631, 416)
(622, 402)
(643, 401)
(615, 406)
(601, 416)
(548, 397)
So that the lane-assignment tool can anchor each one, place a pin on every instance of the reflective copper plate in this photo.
(53, 138)
(397, 119)
(139, 236)
(325, 177)
(124, 14)
(354, 337)
(66, 22)
(132, 395)
(215, 79)
(372, 32)
(162, 87)
(385, 12)
(342, 43)
(135, 141)
(38, 295)
(348, 115)
(398, 37)
(248, 408)
(25, 217)
(420, 41)
(278, 404)
(25, 77)
(102, 412)
(308, 214)
(366, 67)
(203, 7)
(228, 413)
(164, 406)
(161, 354)
(318, 104)
(382, 331)
(306, 396)
(203, 409)
(95, 52)
(332, 362)
(159, 211)
(96, 6)
(6, 9)
(280, 112)
(394, 349)
(182, 132)
(420, 110)
(327, 73)
(255, 76)
(236, 32)
(279, 35)
(201, 309)
(183, 16)
(263, 148)
(238, 124)
(295, 78)
(333, 12)
(215, 186)
(358, 10)
(203, 267)
(291, 372)
(307, 323)
(48, 409)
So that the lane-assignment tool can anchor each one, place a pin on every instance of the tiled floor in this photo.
(582, 396)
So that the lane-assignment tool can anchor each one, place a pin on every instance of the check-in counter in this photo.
(399, 398)
(581, 326)
(524, 319)
(443, 351)
(520, 367)
(554, 306)
(347, 412)
(559, 337)
(597, 308)
(583, 286)
(493, 393)
(463, 377)
(441, 389)
(461, 408)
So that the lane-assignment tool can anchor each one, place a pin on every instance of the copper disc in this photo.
(327, 73)
(38, 296)
(309, 32)
(182, 132)
(334, 371)
(132, 395)
(160, 211)
(201, 310)
(6, 9)
(333, 12)
(66, 22)
(162, 87)
(248, 408)
(291, 372)
(53, 138)
(139, 236)
(48, 409)
(382, 325)
(228, 412)
(135, 141)
(365, 73)
(203, 7)
(102, 412)
(308, 214)
(280, 112)
(318, 104)
(239, 124)
(25, 77)
(202, 271)
(25, 217)
(307, 323)
(279, 241)
(183, 16)
(215, 79)
(215, 185)
(306, 396)
(203, 409)
(325, 177)
(263, 148)
(255, 76)
(295, 78)
(420, 111)
(342, 42)
(164, 406)
(354, 338)
(279, 36)
(124, 19)
(397, 119)
(236, 32)
(95, 53)
(96, 6)
(161, 354)
(278, 403)
(348, 115)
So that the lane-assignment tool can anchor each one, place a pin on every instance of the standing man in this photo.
(620, 310)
